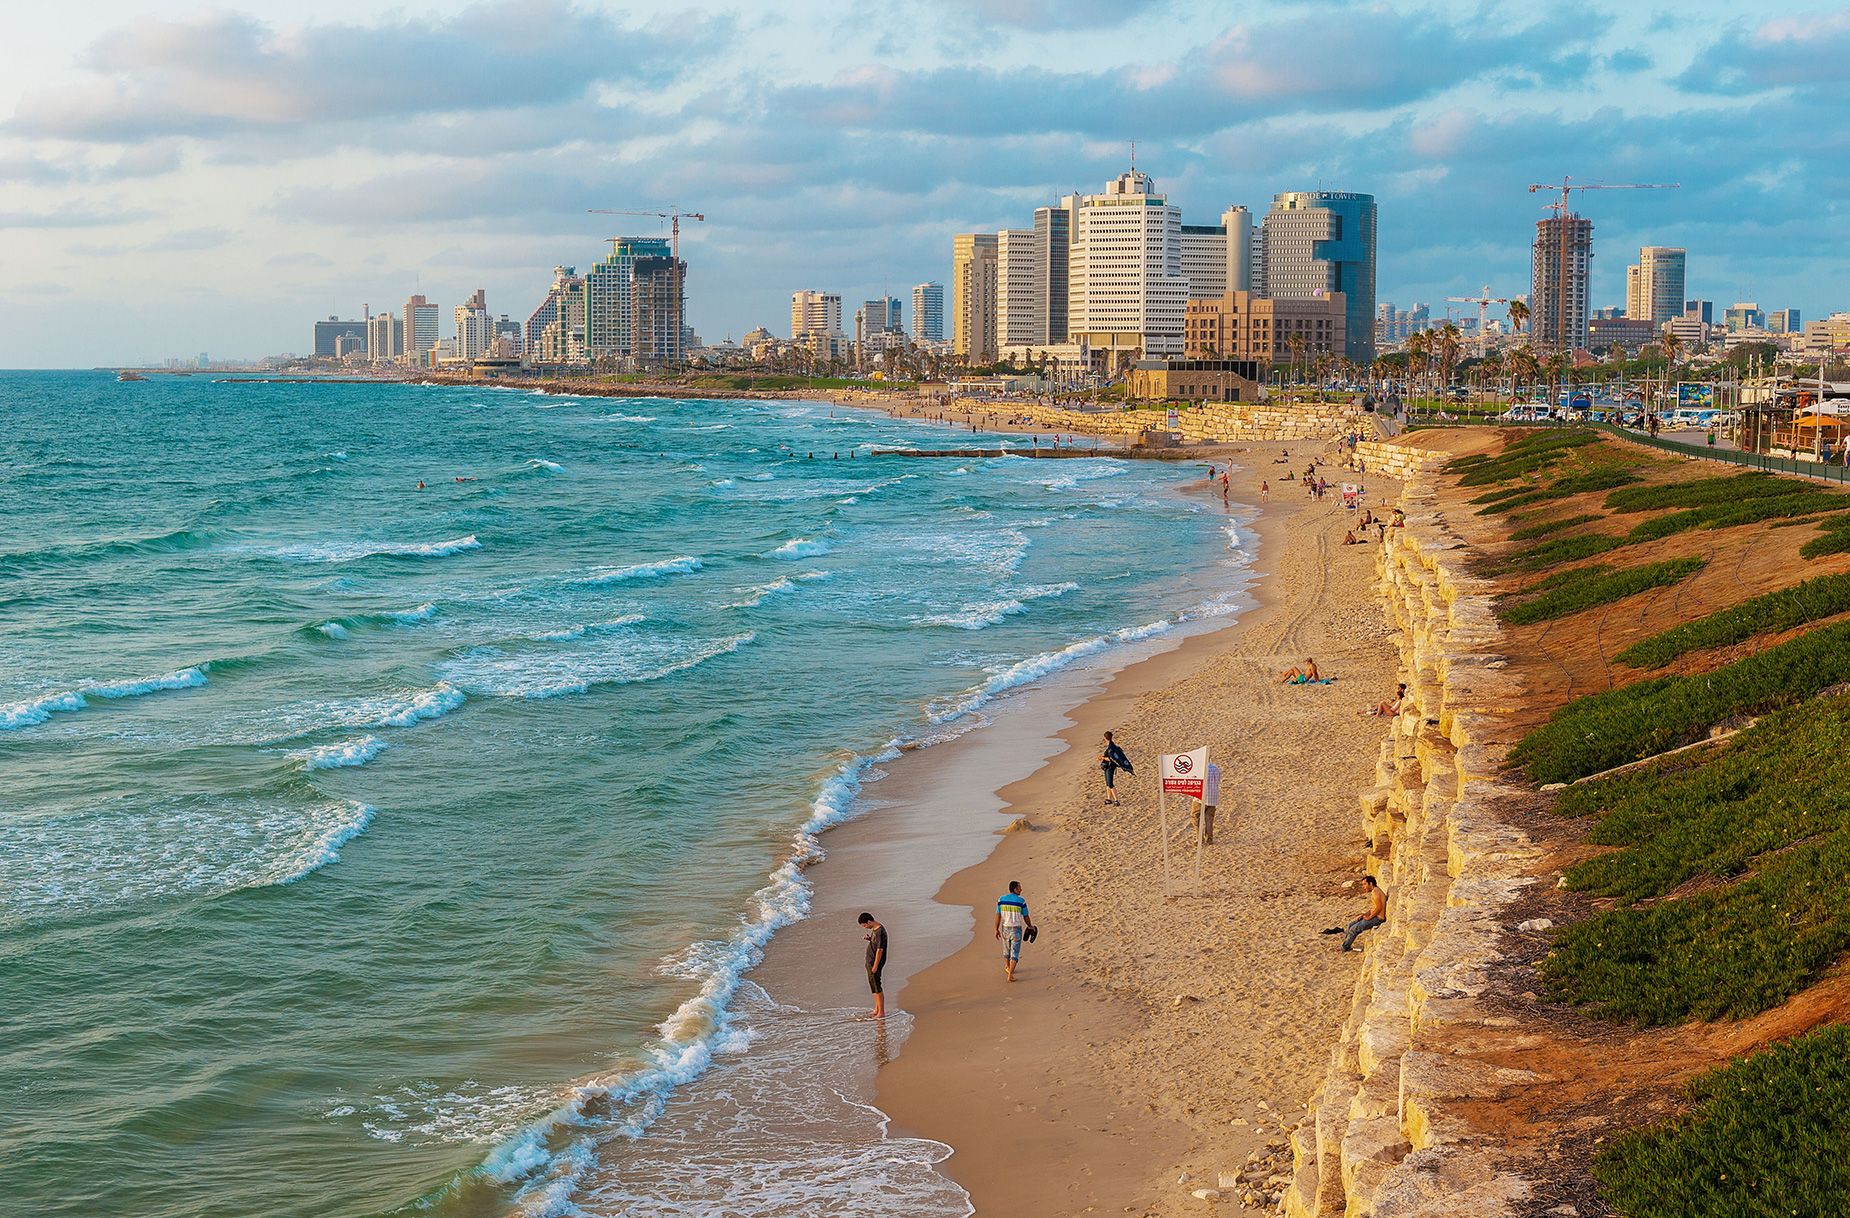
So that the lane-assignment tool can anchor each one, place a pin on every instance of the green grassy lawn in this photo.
(1763, 1139)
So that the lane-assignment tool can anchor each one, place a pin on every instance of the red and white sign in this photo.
(1185, 773)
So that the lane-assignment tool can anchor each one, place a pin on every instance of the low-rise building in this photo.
(1242, 326)
(1195, 380)
(1628, 332)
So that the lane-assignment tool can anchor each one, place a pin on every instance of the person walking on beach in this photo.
(1013, 924)
(1111, 759)
(1376, 915)
(876, 960)
(1265, 492)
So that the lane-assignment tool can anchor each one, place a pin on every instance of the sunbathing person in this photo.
(1389, 709)
(1307, 675)
(1350, 539)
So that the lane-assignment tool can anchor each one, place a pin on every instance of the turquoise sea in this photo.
(372, 849)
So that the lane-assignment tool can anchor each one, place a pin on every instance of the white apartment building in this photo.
(973, 297)
(1021, 289)
(815, 313)
(1126, 290)
(475, 327)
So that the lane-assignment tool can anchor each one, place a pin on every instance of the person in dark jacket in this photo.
(1111, 759)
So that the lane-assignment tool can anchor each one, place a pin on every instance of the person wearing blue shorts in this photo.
(1012, 925)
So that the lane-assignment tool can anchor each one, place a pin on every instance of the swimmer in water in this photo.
(420, 484)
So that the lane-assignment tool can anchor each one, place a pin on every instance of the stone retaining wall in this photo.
(1213, 424)
(1397, 460)
(1386, 1135)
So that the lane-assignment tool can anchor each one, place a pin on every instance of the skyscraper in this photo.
(609, 295)
(928, 312)
(1661, 274)
(973, 297)
(1126, 293)
(385, 337)
(475, 327)
(1322, 241)
(420, 329)
(565, 299)
(1053, 244)
(1021, 301)
(814, 313)
(656, 329)
(1561, 268)
(329, 333)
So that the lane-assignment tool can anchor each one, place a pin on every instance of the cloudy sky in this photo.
(177, 179)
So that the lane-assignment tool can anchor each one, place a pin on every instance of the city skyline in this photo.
(185, 182)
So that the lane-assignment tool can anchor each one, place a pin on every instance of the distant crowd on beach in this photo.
(1014, 926)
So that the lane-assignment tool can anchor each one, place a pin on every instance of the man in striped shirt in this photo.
(1012, 921)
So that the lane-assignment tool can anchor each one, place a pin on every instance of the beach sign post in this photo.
(1184, 774)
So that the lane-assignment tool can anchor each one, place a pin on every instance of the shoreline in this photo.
(1083, 1085)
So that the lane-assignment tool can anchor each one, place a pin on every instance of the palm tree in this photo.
(1450, 343)
(1419, 350)
(1519, 313)
(1296, 343)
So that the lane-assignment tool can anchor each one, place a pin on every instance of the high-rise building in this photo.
(329, 333)
(817, 313)
(1654, 287)
(420, 328)
(1785, 321)
(565, 300)
(883, 315)
(928, 312)
(1126, 293)
(658, 332)
(1021, 301)
(1561, 266)
(1700, 310)
(1318, 242)
(1053, 244)
(1744, 315)
(475, 327)
(385, 337)
(610, 295)
(973, 297)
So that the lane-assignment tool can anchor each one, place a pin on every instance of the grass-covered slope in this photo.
(1784, 609)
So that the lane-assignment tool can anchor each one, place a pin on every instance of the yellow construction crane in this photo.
(1560, 208)
(674, 218)
(1483, 303)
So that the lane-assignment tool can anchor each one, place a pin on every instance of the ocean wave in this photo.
(980, 616)
(802, 547)
(721, 484)
(550, 467)
(34, 711)
(139, 849)
(341, 627)
(684, 565)
(401, 709)
(352, 551)
(545, 1160)
(339, 755)
(1035, 667)
(175, 541)
(629, 418)
(558, 673)
(574, 633)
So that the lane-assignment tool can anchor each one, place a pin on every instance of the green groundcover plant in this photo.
(1564, 597)
(1833, 538)
(1615, 726)
(1544, 528)
(1784, 609)
(1764, 1138)
(1770, 818)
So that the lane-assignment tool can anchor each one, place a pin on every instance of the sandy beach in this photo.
(1148, 1046)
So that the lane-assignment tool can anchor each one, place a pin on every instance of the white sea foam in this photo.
(573, 633)
(34, 711)
(351, 551)
(556, 673)
(720, 484)
(543, 1160)
(551, 467)
(979, 616)
(1035, 667)
(683, 565)
(407, 617)
(135, 849)
(339, 755)
(333, 630)
(802, 547)
(399, 709)
(760, 477)
(630, 418)
(757, 596)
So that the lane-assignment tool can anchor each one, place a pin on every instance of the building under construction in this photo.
(1561, 288)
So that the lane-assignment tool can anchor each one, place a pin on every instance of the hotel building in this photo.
(1126, 292)
(1319, 243)
(973, 297)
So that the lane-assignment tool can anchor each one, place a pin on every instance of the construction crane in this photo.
(1483, 303)
(1560, 208)
(673, 217)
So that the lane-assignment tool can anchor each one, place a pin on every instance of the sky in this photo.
(177, 179)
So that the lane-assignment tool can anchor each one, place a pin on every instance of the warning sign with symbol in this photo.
(1186, 773)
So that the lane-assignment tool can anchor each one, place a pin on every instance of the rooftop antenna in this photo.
(1133, 157)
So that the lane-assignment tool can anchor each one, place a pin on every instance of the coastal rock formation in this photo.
(1386, 1134)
